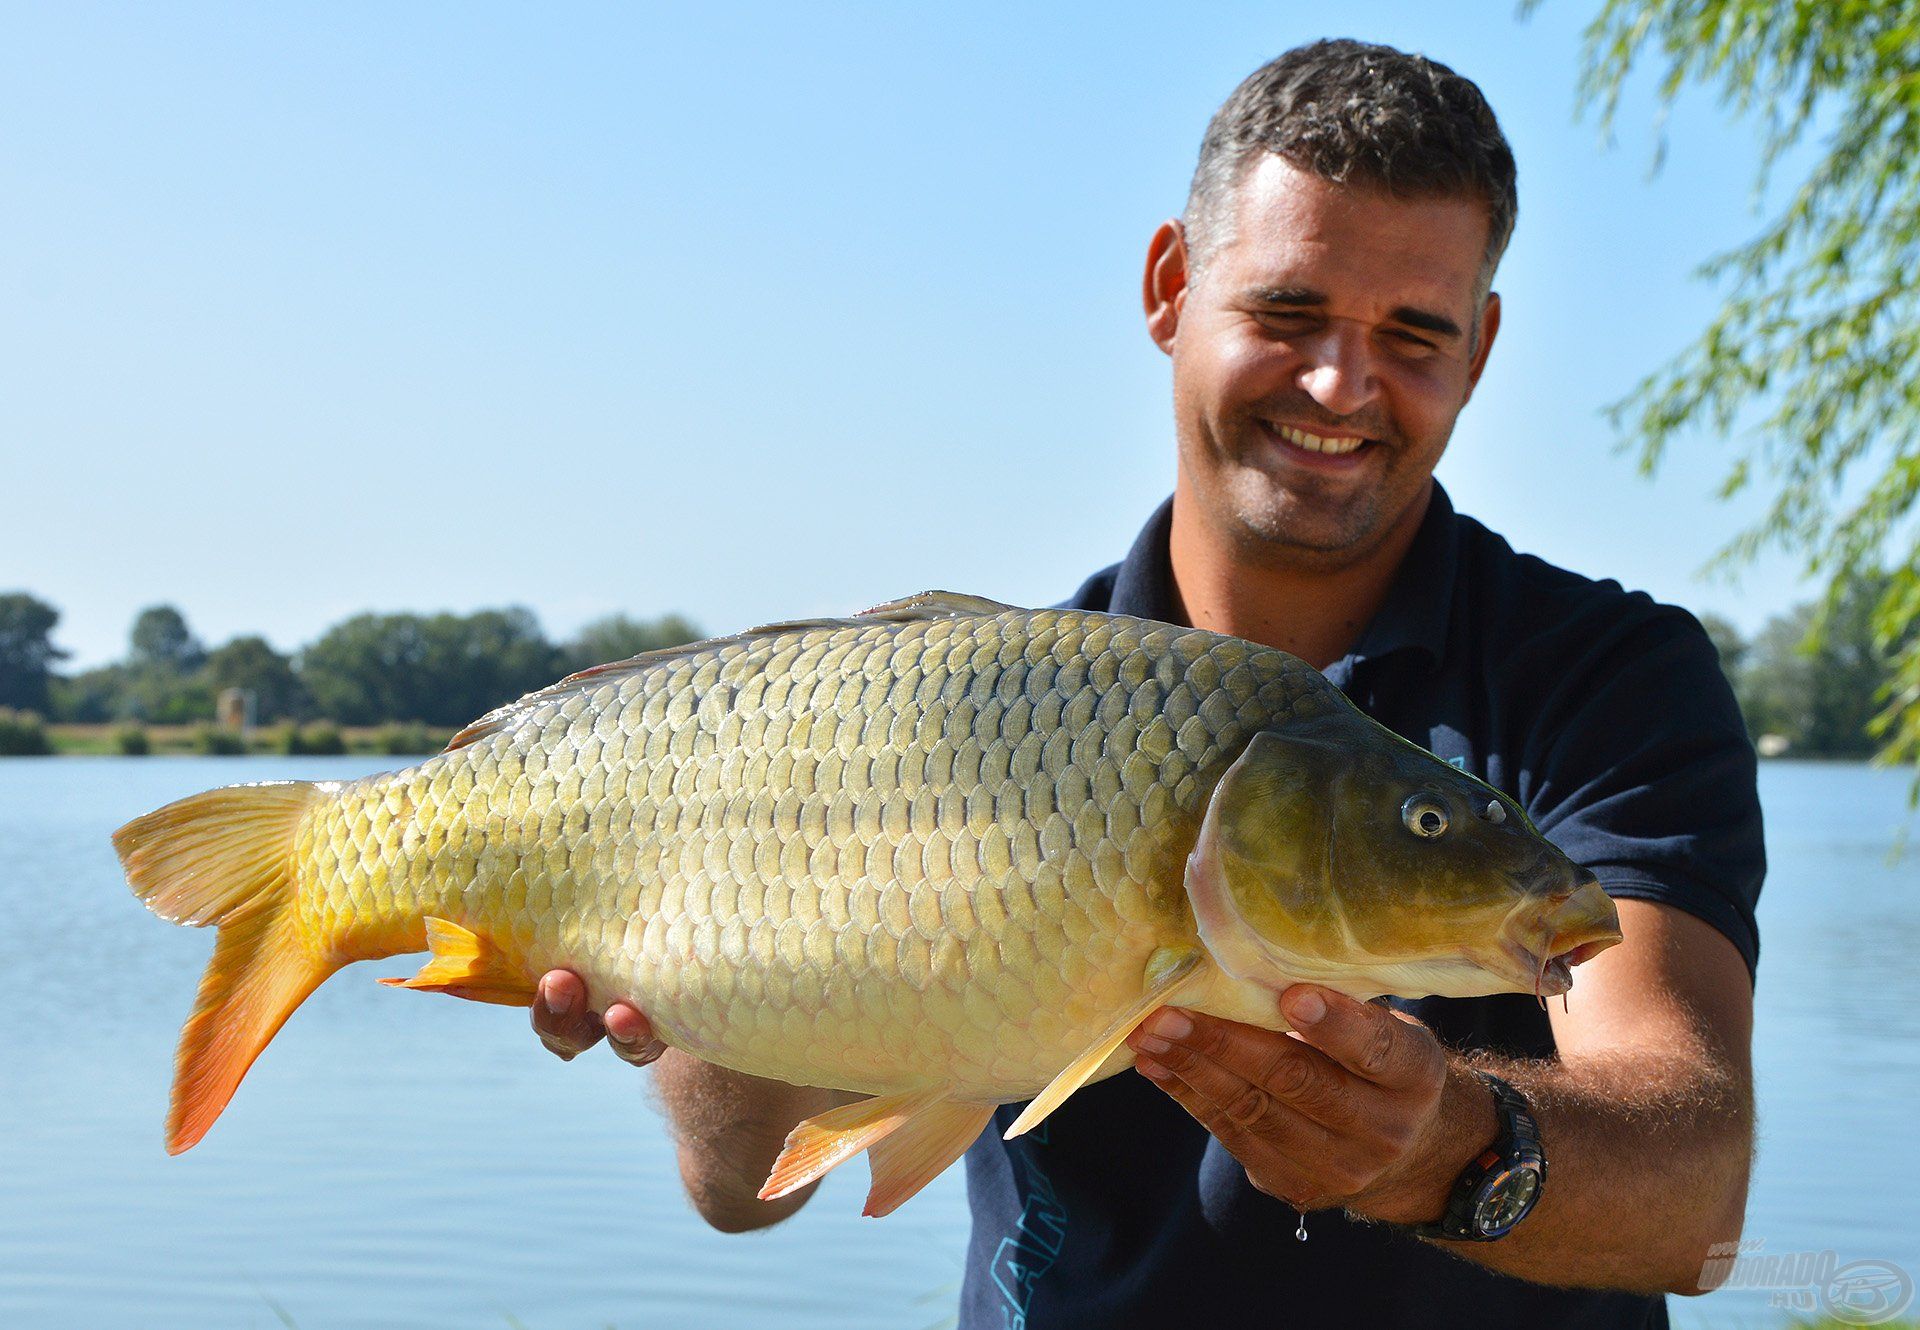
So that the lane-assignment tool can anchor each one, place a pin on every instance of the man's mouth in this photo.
(1313, 449)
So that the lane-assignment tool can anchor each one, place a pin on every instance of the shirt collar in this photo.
(1414, 615)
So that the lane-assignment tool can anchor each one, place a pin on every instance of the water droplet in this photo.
(1300, 1233)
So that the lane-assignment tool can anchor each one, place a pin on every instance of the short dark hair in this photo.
(1354, 112)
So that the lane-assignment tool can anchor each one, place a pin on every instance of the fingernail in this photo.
(1154, 1044)
(564, 1054)
(1152, 1070)
(1171, 1024)
(559, 998)
(1305, 1008)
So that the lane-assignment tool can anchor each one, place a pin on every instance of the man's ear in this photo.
(1489, 327)
(1164, 289)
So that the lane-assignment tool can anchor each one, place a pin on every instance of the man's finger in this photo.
(1283, 1069)
(561, 1017)
(1372, 1042)
(1267, 1166)
(1249, 1105)
(630, 1035)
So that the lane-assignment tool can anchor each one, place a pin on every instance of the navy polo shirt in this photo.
(1606, 715)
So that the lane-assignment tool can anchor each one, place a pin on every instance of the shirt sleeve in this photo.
(1641, 770)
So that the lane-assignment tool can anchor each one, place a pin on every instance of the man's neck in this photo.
(1316, 614)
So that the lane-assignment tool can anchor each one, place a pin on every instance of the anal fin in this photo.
(825, 1141)
(1167, 972)
(920, 1151)
(467, 965)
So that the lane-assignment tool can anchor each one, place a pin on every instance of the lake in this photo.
(403, 1160)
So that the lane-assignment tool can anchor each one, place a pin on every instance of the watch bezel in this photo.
(1492, 1191)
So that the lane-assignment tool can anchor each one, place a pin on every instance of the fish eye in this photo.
(1424, 816)
(1495, 812)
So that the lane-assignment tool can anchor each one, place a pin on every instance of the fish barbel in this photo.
(947, 854)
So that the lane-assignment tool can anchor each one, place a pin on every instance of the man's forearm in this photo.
(1647, 1167)
(729, 1128)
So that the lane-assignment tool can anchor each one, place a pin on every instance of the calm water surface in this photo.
(403, 1160)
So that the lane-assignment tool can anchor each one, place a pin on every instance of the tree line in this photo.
(439, 670)
(1819, 678)
(1819, 692)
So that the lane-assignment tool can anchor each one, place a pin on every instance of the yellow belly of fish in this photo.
(879, 963)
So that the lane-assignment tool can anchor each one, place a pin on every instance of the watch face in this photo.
(1505, 1198)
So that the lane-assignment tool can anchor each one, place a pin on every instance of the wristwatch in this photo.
(1500, 1187)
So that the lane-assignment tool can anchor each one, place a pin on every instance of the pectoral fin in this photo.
(469, 966)
(1167, 972)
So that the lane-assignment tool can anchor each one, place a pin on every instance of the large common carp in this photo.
(947, 853)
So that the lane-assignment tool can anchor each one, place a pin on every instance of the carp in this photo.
(946, 854)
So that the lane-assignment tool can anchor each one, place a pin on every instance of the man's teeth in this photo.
(1314, 443)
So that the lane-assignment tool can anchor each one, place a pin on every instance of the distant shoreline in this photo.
(261, 740)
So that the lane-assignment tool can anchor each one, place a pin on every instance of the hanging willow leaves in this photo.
(1811, 365)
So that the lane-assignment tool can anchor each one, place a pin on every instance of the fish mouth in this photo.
(1558, 930)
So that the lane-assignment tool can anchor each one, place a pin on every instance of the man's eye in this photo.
(1412, 341)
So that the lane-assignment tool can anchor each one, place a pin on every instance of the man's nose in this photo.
(1338, 370)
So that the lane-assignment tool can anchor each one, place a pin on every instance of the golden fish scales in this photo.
(838, 855)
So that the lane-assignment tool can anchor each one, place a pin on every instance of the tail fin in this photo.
(226, 858)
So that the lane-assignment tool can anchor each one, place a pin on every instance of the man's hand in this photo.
(728, 1127)
(1646, 1111)
(569, 1028)
(1358, 1108)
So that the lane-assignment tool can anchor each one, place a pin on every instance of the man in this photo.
(1326, 303)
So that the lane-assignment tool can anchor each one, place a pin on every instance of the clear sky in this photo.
(744, 311)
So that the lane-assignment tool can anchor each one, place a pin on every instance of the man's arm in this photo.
(728, 1127)
(1646, 1112)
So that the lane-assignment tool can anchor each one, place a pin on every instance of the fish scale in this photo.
(959, 838)
(946, 854)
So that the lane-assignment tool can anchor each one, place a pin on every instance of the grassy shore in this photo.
(179, 740)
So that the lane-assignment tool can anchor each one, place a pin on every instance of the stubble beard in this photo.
(1296, 521)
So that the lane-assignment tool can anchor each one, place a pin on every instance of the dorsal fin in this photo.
(936, 605)
(926, 605)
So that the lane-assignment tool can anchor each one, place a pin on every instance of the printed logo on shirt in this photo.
(1031, 1250)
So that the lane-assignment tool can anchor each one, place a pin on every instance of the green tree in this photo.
(27, 652)
(477, 661)
(252, 663)
(163, 676)
(1821, 691)
(1816, 340)
(617, 637)
(441, 670)
(162, 641)
(1776, 687)
(358, 672)
(92, 696)
(1726, 639)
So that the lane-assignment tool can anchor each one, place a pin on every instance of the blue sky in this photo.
(743, 311)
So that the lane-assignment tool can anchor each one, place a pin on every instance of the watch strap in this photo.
(1516, 1146)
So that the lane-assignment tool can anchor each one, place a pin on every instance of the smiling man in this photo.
(1326, 302)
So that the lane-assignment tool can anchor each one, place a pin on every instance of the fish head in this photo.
(1335, 852)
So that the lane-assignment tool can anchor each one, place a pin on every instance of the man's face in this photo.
(1319, 359)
